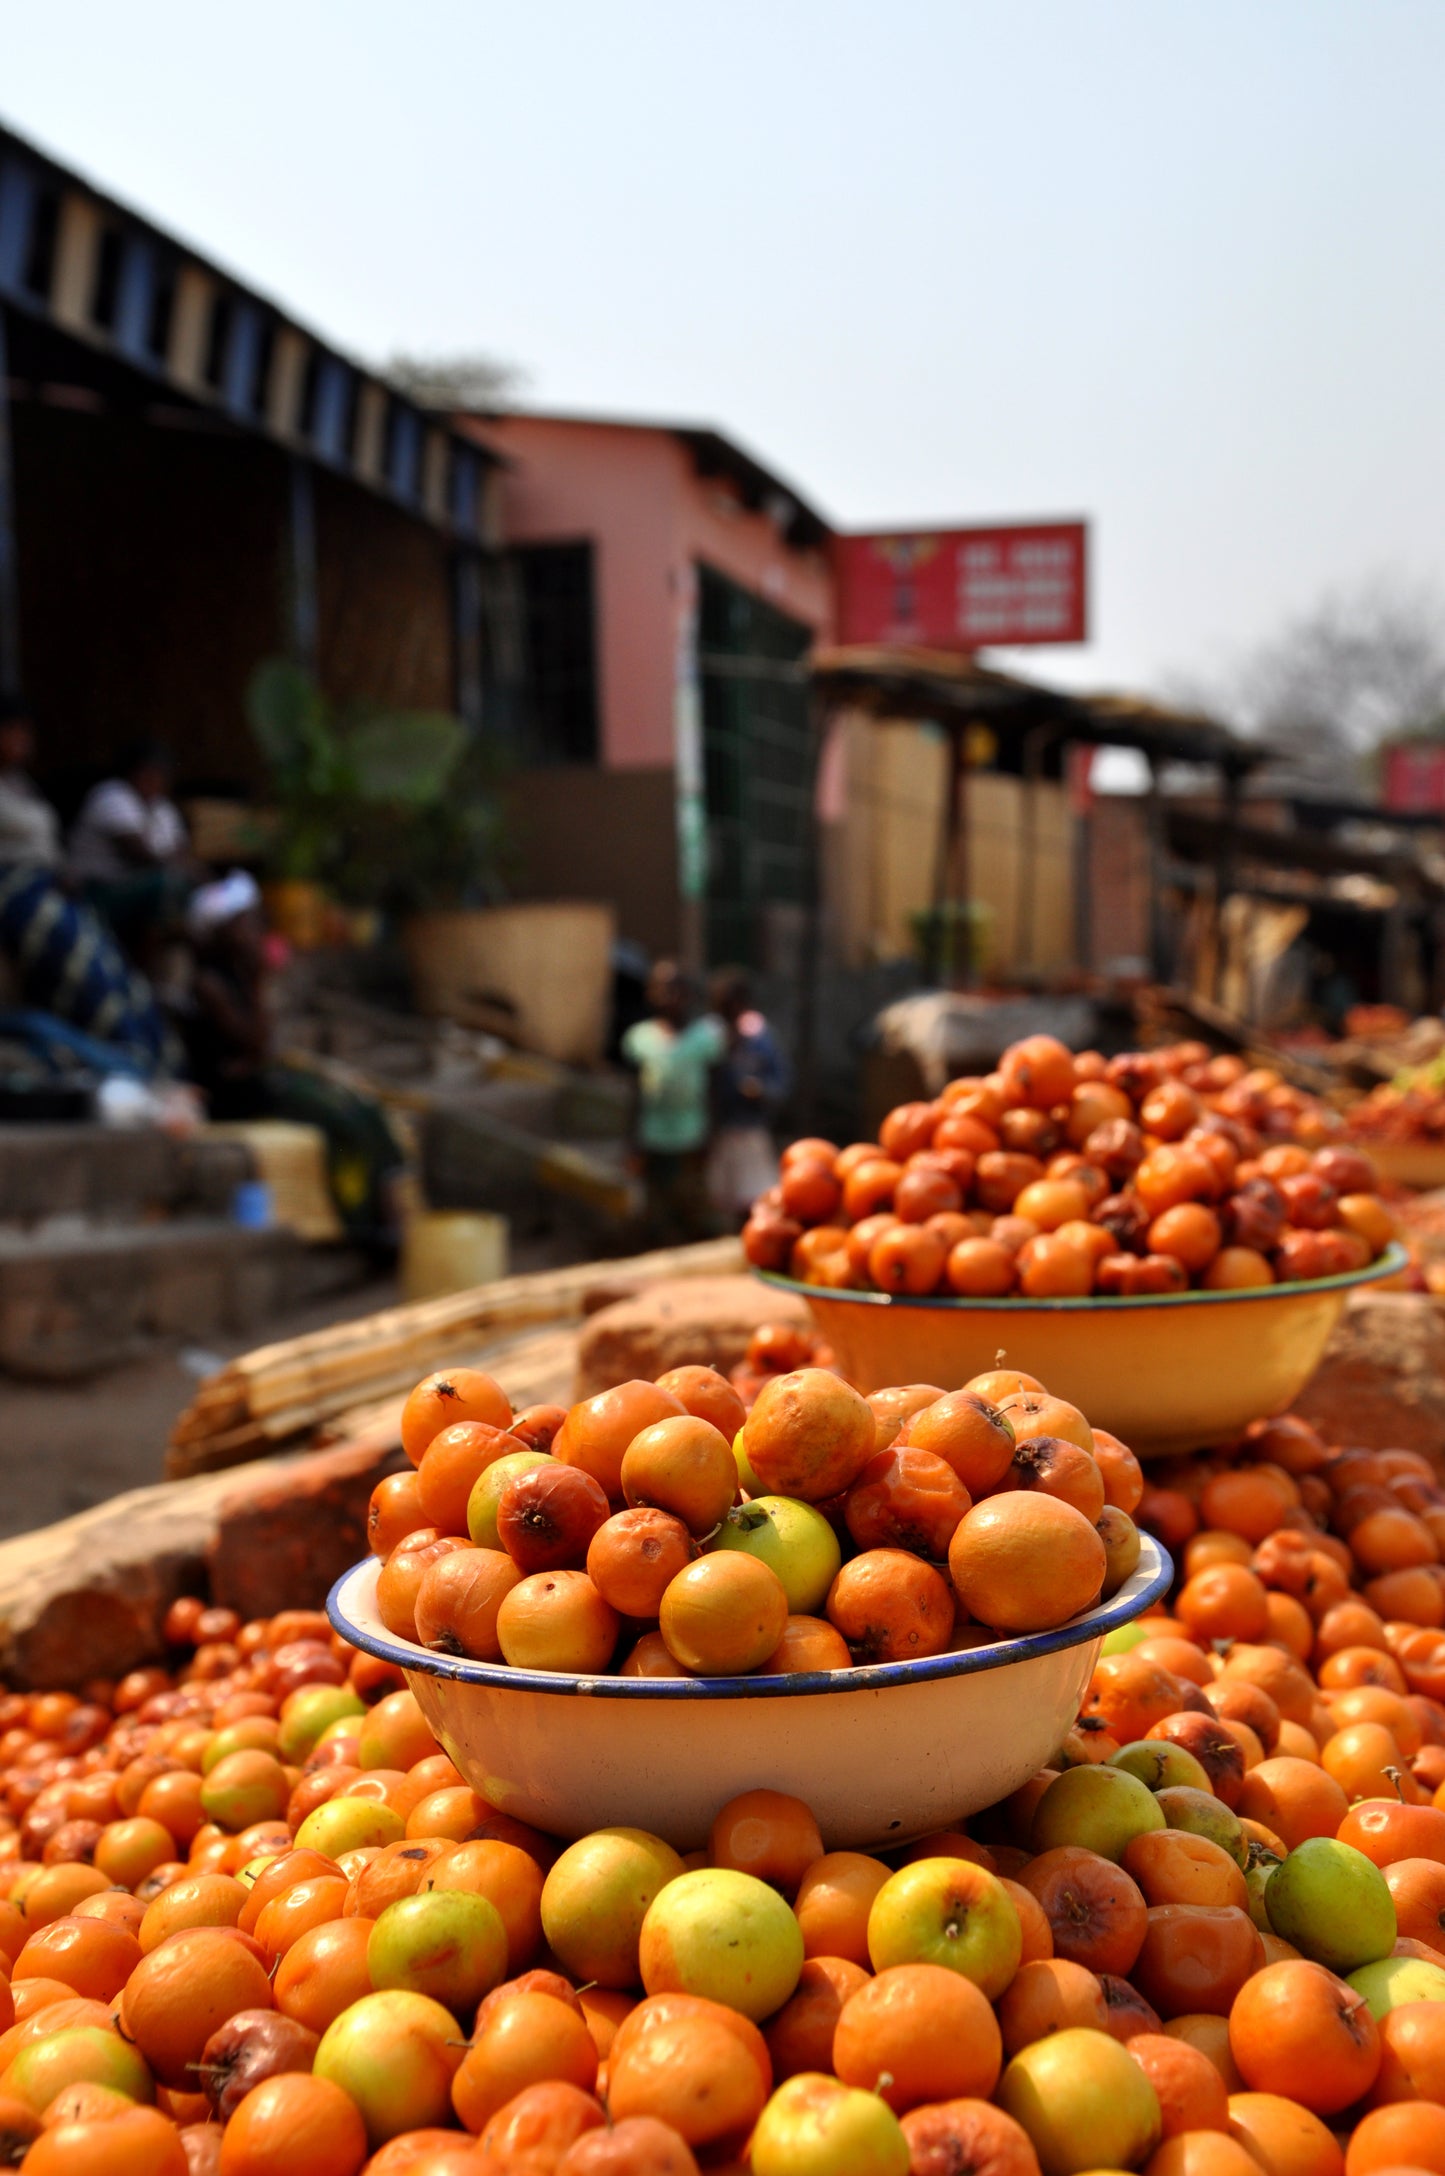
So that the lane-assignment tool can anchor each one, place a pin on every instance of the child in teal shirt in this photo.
(674, 1053)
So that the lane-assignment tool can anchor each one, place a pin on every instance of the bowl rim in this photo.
(1387, 1264)
(1150, 1578)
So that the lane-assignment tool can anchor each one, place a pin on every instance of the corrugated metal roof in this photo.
(74, 257)
(937, 683)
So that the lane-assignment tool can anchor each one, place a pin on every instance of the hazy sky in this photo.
(1176, 266)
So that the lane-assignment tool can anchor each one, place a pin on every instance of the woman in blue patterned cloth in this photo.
(67, 964)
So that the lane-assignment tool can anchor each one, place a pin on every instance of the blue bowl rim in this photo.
(1145, 1585)
(1387, 1264)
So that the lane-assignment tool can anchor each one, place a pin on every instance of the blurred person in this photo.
(673, 1053)
(66, 963)
(129, 849)
(227, 1029)
(750, 1087)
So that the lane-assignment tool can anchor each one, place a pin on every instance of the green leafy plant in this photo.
(395, 809)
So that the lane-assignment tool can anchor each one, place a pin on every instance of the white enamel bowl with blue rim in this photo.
(881, 1753)
(1168, 1372)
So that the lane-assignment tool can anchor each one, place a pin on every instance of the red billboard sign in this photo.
(964, 589)
(1414, 778)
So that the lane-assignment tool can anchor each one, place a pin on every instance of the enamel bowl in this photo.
(1420, 1164)
(1168, 1373)
(881, 1754)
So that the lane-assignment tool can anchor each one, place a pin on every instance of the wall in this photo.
(612, 835)
(1119, 880)
(633, 491)
(152, 584)
(881, 856)
(384, 586)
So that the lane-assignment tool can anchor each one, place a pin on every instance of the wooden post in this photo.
(1226, 873)
(1082, 829)
(9, 562)
(1026, 885)
(302, 614)
(956, 865)
(1158, 928)
(811, 948)
(467, 640)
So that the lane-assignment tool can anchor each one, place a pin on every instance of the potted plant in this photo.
(382, 809)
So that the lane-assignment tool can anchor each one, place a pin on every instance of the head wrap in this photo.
(216, 904)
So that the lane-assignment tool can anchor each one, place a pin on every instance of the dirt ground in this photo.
(64, 1447)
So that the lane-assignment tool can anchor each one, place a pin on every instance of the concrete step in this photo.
(111, 1175)
(74, 1300)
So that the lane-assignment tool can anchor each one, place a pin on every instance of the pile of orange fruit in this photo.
(1059, 1176)
(253, 1922)
(662, 1529)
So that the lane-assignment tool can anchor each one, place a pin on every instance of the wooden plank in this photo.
(77, 251)
(288, 1389)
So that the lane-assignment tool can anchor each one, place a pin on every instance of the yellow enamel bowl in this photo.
(1167, 1374)
(1408, 1163)
(882, 1753)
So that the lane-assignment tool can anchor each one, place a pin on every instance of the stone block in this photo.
(1381, 1384)
(87, 1597)
(703, 1321)
(284, 1546)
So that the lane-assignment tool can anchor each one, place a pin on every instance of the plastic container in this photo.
(253, 1206)
(450, 1250)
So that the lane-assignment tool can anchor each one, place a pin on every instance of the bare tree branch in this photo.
(456, 381)
(1361, 667)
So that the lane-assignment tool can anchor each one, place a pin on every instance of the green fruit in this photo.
(725, 1935)
(596, 1898)
(813, 2126)
(1334, 1904)
(349, 1824)
(1159, 1763)
(1200, 1813)
(1084, 2101)
(310, 1711)
(395, 2053)
(792, 1539)
(752, 1486)
(487, 1494)
(941, 1911)
(1123, 1638)
(1258, 1874)
(78, 2055)
(1391, 1981)
(446, 1943)
(1100, 1808)
(253, 1734)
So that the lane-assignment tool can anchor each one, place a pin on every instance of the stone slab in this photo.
(1381, 1384)
(704, 1321)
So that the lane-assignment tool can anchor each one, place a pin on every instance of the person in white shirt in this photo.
(29, 826)
(129, 850)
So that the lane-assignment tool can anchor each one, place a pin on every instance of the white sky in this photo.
(1178, 267)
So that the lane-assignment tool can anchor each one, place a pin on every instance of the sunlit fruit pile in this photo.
(254, 1923)
(659, 1530)
(1407, 1110)
(1060, 1176)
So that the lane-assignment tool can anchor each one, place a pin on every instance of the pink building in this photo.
(660, 591)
